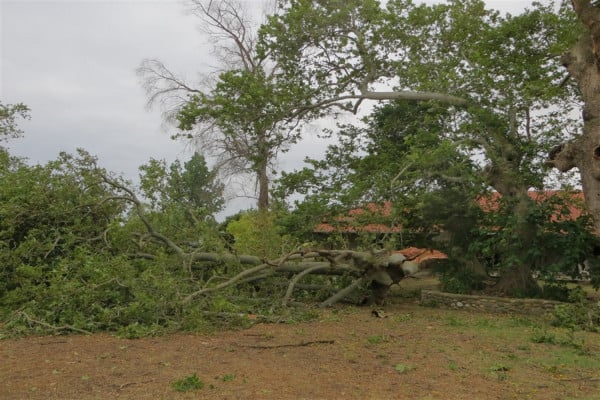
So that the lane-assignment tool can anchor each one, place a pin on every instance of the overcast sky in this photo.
(73, 63)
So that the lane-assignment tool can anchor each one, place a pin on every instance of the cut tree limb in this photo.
(345, 292)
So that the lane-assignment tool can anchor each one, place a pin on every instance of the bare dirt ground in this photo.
(412, 353)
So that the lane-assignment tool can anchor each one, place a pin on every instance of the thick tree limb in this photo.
(377, 96)
(296, 279)
(563, 157)
(229, 282)
(364, 265)
(414, 96)
(344, 292)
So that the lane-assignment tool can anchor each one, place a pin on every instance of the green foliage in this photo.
(505, 68)
(244, 104)
(543, 336)
(313, 43)
(99, 292)
(461, 281)
(381, 161)
(557, 291)
(9, 113)
(499, 371)
(75, 257)
(549, 337)
(556, 244)
(47, 212)
(579, 315)
(398, 158)
(192, 187)
(300, 222)
(183, 201)
(256, 233)
(403, 369)
(188, 383)
(377, 339)
(246, 119)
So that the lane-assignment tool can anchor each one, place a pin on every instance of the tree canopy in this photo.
(504, 69)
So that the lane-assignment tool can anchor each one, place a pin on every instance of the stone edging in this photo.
(487, 303)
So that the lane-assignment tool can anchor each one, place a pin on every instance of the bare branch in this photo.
(224, 21)
(163, 85)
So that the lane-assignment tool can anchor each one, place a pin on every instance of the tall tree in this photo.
(499, 72)
(242, 116)
(193, 187)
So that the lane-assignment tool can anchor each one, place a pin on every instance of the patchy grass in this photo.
(188, 383)
(345, 353)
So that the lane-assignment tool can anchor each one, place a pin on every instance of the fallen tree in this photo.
(375, 270)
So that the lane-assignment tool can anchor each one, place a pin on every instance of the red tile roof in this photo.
(489, 203)
(348, 224)
(419, 255)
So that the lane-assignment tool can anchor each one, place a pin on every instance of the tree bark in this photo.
(263, 187)
(583, 64)
(504, 174)
(516, 279)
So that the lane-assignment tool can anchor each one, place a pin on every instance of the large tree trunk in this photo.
(583, 64)
(261, 165)
(263, 187)
(516, 279)
(504, 175)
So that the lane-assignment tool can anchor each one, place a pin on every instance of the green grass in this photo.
(403, 369)
(188, 383)
(377, 339)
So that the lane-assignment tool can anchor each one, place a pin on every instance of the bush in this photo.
(461, 281)
(79, 252)
(256, 233)
(557, 291)
(580, 314)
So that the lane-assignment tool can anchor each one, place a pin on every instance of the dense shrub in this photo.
(558, 291)
(77, 253)
(579, 314)
(256, 233)
(461, 281)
